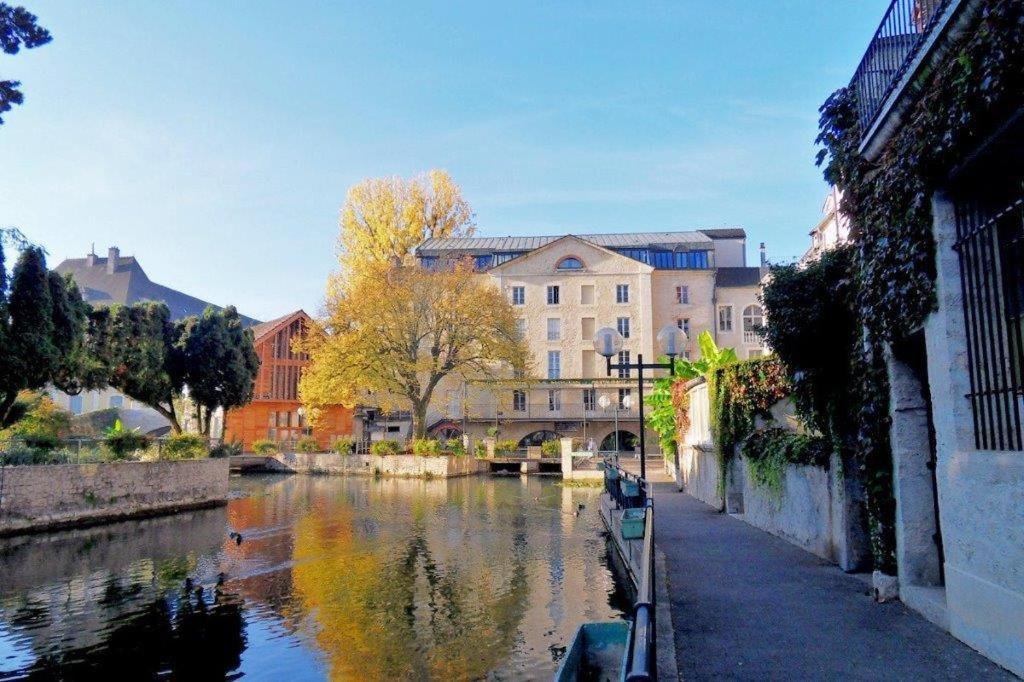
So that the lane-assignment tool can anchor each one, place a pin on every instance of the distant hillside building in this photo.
(120, 279)
(275, 412)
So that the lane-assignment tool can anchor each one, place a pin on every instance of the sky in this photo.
(215, 140)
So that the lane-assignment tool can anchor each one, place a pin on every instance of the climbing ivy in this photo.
(769, 451)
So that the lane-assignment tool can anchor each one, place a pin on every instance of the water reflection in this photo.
(333, 578)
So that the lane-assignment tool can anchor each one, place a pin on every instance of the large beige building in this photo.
(565, 288)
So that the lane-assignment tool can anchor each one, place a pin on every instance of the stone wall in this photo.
(447, 466)
(65, 495)
(699, 473)
(817, 509)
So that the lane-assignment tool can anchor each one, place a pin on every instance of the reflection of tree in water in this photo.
(419, 606)
(186, 638)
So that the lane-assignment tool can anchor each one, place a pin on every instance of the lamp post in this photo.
(671, 341)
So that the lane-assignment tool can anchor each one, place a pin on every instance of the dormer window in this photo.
(570, 263)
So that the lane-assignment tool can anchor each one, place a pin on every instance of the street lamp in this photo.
(671, 342)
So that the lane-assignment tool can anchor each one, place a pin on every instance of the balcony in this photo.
(540, 411)
(751, 338)
(905, 28)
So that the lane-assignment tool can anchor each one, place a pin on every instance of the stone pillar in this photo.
(566, 458)
(917, 557)
(849, 519)
(533, 452)
(490, 444)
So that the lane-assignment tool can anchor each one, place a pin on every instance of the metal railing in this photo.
(541, 411)
(641, 663)
(895, 44)
(627, 490)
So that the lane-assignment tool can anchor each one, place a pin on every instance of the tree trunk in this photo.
(5, 407)
(171, 417)
(419, 419)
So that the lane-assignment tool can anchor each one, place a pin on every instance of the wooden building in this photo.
(275, 412)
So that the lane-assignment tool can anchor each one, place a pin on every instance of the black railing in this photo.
(895, 44)
(641, 663)
(627, 490)
(990, 244)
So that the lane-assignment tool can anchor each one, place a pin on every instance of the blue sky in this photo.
(215, 140)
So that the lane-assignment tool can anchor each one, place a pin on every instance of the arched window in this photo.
(753, 318)
(570, 263)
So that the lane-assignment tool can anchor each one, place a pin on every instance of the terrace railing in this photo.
(894, 46)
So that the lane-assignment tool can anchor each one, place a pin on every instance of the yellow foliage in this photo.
(393, 333)
(384, 219)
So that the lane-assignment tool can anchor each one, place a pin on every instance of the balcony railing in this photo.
(541, 411)
(904, 28)
(751, 338)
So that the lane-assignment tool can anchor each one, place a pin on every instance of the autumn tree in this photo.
(384, 219)
(18, 28)
(397, 331)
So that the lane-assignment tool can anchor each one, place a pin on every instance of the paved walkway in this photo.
(747, 605)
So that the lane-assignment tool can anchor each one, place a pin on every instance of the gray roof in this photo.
(737, 277)
(696, 239)
(726, 233)
(129, 284)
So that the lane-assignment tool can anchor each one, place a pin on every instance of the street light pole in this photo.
(608, 342)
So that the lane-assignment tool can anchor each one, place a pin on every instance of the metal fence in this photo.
(990, 245)
(895, 44)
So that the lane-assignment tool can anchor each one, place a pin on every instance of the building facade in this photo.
(957, 385)
(564, 288)
(276, 412)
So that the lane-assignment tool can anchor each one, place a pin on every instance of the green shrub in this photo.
(225, 449)
(19, 454)
(493, 431)
(455, 447)
(480, 450)
(506, 447)
(183, 446)
(426, 447)
(265, 446)
(769, 451)
(122, 442)
(344, 445)
(307, 444)
(551, 448)
(385, 447)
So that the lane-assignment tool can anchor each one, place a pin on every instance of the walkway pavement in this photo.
(747, 605)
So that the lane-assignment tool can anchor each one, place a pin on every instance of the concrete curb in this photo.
(666, 632)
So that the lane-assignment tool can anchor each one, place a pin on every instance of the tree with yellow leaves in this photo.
(396, 331)
(384, 219)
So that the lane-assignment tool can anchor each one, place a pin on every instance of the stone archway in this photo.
(621, 440)
(538, 437)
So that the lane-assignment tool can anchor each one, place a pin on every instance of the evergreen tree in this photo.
(18, 28)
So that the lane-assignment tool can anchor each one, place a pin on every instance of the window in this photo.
(521, 327)
(755, 353)
(725, 318)
(553, 294)
(682, 294)
(622, 293)
(76, 404)
(519, 401)
(116, 401)
(623, 326)
(625, 398)
(587, 328)
(684, 324)
(554, 400)
(587, 294)
(623, 360)
(518, 295)
(990, 250)
(483, 262)
(570, 263)
(554, 364)
(554, 329)
(753, 318)
(589, 399)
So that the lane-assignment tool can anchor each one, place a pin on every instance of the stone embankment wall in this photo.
(447, 466)
(66, 495)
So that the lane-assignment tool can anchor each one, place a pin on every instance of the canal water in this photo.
(330, 578)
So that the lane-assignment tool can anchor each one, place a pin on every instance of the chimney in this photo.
(90, 258)
(764, 256)
(113, 253)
